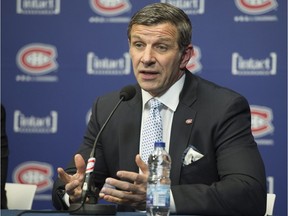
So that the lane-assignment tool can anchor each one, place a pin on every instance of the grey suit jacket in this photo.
(228, 180)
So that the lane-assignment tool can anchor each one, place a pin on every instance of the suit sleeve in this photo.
(241, 185)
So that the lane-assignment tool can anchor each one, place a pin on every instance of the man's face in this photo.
(156, 57)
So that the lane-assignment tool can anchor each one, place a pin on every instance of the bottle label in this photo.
(158, 195)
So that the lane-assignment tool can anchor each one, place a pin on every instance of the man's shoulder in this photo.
(214, 89)
(211, 94)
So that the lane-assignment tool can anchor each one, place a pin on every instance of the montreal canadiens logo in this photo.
(110, 7)
(36, 173)
(37, 59)
(256, 7)
(194, 65)
(261, 120)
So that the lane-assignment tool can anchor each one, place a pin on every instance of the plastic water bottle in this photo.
(158, 185)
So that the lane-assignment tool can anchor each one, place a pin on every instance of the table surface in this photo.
(5, 212)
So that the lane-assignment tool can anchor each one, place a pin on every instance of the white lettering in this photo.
(253, 66)
(38, 4)
(33, 124)
(96, 65)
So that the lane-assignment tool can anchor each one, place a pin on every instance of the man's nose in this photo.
(148, 56)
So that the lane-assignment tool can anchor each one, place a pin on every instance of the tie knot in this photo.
(154, 103)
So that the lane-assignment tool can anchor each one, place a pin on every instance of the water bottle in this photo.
(158, 185)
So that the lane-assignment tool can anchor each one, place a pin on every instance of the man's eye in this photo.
(138, 45)
(162, 48)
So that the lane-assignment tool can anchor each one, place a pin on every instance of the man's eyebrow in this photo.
(136, 36)
(159, 39)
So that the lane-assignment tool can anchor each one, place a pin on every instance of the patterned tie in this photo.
(152, 129)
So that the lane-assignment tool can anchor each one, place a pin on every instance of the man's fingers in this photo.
(141, 164)
(70, 187)
(124, 186)
(80, 163)
(132, 177)
(124, 195)
(125, 198)
(65, 177)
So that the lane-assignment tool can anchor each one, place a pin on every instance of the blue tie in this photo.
(152, 129)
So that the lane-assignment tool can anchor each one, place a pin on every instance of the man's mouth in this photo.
(149, 74)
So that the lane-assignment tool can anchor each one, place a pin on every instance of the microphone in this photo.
(88, 189)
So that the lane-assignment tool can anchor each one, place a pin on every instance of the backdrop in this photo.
(57, 56)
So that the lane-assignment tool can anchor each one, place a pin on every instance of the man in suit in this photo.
(229, 176)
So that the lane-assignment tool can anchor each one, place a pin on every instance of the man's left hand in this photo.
(127, 193)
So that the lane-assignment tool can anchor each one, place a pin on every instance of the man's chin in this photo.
(154, 91)
(149, 89)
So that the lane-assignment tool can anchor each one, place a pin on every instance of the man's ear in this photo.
(186, 56)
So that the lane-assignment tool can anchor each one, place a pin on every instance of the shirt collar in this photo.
(170, 98)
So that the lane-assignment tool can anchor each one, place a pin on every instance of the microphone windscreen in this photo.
(128, 92)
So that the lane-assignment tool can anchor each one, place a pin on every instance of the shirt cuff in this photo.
(65, 199)
(172, 203)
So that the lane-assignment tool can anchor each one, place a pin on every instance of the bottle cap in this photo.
(159, 144)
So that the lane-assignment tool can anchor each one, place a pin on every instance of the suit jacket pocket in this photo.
(202, 171)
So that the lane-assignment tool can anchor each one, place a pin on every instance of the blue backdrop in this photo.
(57, 56)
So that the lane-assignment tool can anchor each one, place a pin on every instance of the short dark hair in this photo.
(159, 13)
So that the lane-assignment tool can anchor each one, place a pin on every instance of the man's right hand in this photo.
(73, 183)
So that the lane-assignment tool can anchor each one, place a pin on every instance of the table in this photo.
(5, 212)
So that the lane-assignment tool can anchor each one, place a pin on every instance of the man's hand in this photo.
(73, 183)
(127, 193)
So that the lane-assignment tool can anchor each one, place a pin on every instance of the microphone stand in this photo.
(89, 190)
(91, 207)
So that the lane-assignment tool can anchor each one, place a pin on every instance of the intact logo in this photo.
(33, 172)
(261, 121)
(110, 7)
(33, 124)
(106, 66)
(256, 7)
(37, 59)
(38, 7)
(194, 65)
(254, 66)
(190, 7)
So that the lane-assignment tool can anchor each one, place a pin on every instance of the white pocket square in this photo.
(191, 156)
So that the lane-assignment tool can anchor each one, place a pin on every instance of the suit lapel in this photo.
(129, 132)
(182, 126)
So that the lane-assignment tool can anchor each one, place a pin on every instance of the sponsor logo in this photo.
(256, 9)
(190, 7)
(106, 66)
(110, 7)
(38, 7)
(261, 123)
(36, 60)
(254, 66)
(194, 65)
(109, 11)
(33, 124)
(34, 172)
